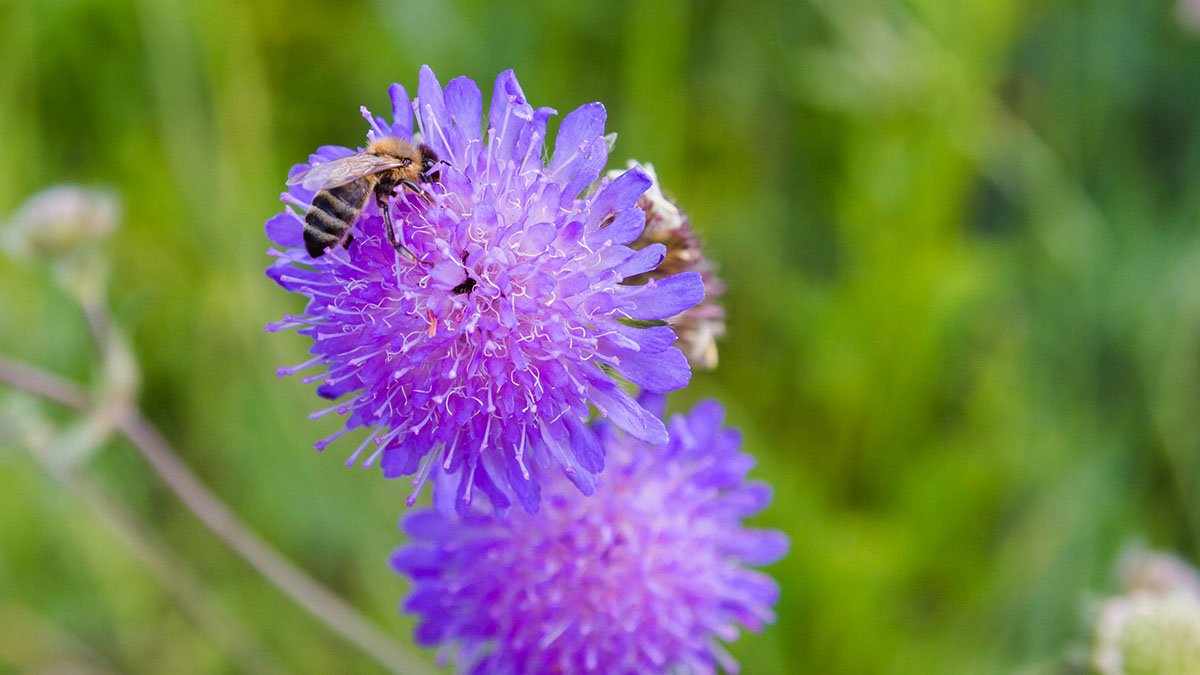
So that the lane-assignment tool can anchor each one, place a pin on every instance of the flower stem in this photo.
(318, 601)
(172, 572)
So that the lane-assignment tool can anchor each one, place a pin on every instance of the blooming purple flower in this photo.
(644, 576)
(490, 388)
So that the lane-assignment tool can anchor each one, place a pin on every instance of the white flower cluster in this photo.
(1153, 627)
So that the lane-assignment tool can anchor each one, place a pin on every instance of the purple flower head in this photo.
(476, 366)
(644, 576)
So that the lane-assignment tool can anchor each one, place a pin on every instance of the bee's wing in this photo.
(341, 171)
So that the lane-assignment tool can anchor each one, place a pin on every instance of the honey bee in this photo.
(344, 185)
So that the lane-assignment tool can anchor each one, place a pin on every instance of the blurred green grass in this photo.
(964, 295)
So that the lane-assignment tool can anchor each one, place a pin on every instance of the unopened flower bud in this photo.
(698, 327)
(66, 226)
(60, 219)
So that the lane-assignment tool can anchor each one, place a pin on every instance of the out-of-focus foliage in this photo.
(963, 261)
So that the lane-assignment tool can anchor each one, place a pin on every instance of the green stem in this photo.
(318, 601)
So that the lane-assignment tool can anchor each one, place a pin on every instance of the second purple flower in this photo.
(487, 389)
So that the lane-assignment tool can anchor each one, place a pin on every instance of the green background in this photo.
(963, 262)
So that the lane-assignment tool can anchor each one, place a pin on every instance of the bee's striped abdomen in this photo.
(332, 215)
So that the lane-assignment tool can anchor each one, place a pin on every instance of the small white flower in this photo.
(60, 219)
(1154, 628)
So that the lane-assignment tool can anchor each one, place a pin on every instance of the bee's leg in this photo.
(390, 229)
(417, 190)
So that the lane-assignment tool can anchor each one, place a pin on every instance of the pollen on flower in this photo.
(486, 384)
(648, 575)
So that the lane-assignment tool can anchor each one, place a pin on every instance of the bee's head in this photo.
(429, 160)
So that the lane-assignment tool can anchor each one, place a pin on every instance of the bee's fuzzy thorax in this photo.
(393, 146)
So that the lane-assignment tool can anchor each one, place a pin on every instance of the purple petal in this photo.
(417, 561)
(528, 146)
(762, 547)
(727, 473)
(400, 459)
(448, 273)
(538, 237)
(428, 525)
(286, 229)
(429, 633)
(462, 494)
(589, 169)
(652, 340)
(485, 483)
(752, 498)
(337, 390)
(444, 488)
(619, 195)
(658, 373)
(464, 102)
(665, 298)
(291, 277)
(586, 446)
(706, 419)
(642, 260)
(626, 413)
(626, 227)
(508, 112)
(401, 111)
(580, 129)
(655, 404)
(728, 441)
(431, 113)
(328, 153)
(557, 440)
(525, 488)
